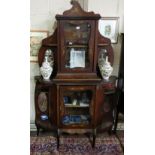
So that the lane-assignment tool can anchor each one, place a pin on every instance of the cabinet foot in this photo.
(38, 129)
(94, 138)
(110, 132)
(58, 135)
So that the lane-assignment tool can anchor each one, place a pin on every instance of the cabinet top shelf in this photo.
(51, 45)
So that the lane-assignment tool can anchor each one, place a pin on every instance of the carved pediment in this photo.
(76, 11)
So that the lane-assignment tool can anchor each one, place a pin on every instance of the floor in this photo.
(78, 144)
(46, 144)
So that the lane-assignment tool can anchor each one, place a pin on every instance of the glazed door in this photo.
(76, 106)
(77, 45)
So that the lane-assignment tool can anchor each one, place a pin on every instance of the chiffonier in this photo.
(76, 98)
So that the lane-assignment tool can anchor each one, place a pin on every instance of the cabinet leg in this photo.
(38, 129)
(115, 121)
(110, 131)
(58, 135)
(116, 111)
(94, 137)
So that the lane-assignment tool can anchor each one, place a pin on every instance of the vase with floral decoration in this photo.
(47, 66)
(105, 67)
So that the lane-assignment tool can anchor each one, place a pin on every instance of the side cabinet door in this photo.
(108, 110)
(104, 108)
(43, 105)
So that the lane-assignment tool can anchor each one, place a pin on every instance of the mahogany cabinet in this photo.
(75, 97)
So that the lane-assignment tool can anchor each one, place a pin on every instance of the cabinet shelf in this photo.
(76, 123)
(76, 119)
(76, 106)
(101, 45)
(77, 46)
(52, 45)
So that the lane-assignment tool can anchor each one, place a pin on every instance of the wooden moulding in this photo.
(51, 40)
(48, 43)
(76, 12)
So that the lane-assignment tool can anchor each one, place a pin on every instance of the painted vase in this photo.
(46, 69)
(105, 68)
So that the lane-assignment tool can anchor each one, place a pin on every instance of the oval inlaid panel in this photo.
(42, 101)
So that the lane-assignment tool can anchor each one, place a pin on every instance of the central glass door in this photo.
(76, 105)
(76, 45)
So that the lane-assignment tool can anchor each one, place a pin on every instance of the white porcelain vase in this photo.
(105, 68)
(46, 69)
